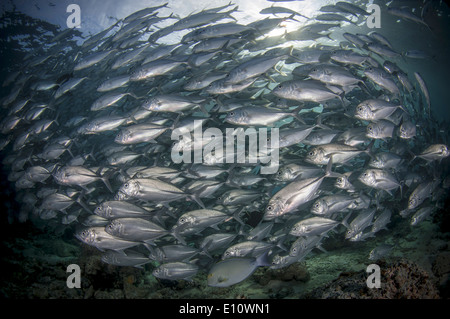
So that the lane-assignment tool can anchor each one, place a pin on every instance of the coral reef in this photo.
(402, 279)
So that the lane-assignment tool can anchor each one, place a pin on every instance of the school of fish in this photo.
(87, 138)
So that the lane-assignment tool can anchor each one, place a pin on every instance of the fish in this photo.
(176, 271)
(120, 209)
(135, 229)
(379, 179)
(380, 251)
(173, 253)
(107, 100)
(373, 110)
(338, 153)
(92, 59)
(68, 86)
(231, 271)
(382, 79)
(78, 175)
(100, 239)
(314, 226)
(149, 189)
(424, 89)
(421, 215)
(421, 192)
(303, 91)
(434, 152)
(381, 221)
(407, 15)
(197, 220)
(88, 136)
(328, 205)
(381, 129)
(130, 258)
(258, 116)
(386, 160)
(296, 193)
(359, 224)
(252, 68)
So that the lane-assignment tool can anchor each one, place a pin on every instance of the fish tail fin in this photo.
(414, 156)
(206, 253)
(82, 203)
(196, 198)
(291, 17)
(328, 172)
(344, 221)
(296, 115)
(280, 244)
(69, 151)
(175, 122)
(152, 251)
(105, 179)
(236, 216)
(319, 123)
(176, 234)
(263, 260)
(369, 149)
(91, 154)
(203, 109)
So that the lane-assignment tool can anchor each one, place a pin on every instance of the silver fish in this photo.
(231, 271)
(314, 226)
(379, 179)
(176, 271)
(100, 239)
(120, 209)
(135, 229)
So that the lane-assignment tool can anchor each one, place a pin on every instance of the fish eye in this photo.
(360, 108)
(340, 180)
(311, 153)
(126, 185)
(369, 128)
(269, 208)
(317, 205)
(182, 220)
(231, 113)
(280, 86)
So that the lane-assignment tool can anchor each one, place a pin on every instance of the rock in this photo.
(296, 272)
(89, 293)
(402, 279)
(113, 294)
(441, 264)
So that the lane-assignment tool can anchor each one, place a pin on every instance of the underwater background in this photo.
(36, 249)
